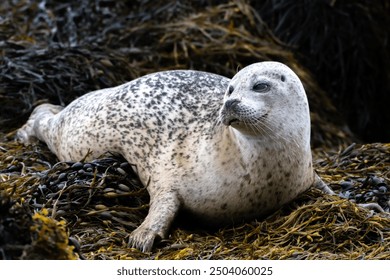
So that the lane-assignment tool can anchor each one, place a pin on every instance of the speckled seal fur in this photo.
(223, 150)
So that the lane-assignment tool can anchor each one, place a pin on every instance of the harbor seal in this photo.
(223, 150)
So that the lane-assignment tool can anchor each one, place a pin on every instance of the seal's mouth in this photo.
(233, 121)
(230, 120)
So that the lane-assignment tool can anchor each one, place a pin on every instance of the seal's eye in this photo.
(261, 87)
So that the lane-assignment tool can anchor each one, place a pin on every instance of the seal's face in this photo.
(263, 96)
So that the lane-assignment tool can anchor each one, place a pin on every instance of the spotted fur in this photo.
(223, 150)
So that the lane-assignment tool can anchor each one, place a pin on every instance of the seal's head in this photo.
(266, 99)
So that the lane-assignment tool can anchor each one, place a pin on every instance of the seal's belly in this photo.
(237, 201)
(217, 196)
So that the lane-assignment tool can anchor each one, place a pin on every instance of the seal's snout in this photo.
(229, 111)
(231, 104)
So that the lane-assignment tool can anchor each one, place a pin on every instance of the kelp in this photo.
(28, 235)
(102, 201)
(343, 173)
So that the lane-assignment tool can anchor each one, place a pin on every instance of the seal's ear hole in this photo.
(230, 90)
(283, 78)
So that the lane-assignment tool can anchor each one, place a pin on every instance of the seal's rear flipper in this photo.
(31, 131)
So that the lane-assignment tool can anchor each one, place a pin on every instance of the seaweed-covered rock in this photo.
(24, 235)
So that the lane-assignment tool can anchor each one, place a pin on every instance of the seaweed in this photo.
(102, 201)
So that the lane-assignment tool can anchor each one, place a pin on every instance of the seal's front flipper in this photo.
(319, 184)
(163, 209)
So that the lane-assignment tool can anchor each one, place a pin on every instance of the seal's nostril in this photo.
(231, 103)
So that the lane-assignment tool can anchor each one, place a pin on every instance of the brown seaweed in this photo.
(102, 202)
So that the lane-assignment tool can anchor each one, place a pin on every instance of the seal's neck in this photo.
(252, 147)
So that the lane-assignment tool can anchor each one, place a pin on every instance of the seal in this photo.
(222, 150)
